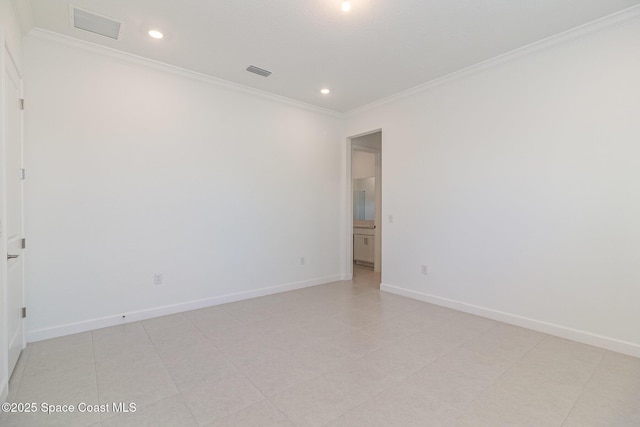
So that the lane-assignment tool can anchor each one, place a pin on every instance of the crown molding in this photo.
(51, 37)
(589, 29)
(583, 31)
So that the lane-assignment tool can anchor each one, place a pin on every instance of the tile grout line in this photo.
(584, 388)
(178, 392)
(358, 358)
(266, 399)
(396, 384)
(442, 356)
(492, 383)
(222, 354)
(511, 363)
(95, 374)
(246, 377)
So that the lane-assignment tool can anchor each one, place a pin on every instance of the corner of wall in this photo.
(23, 10)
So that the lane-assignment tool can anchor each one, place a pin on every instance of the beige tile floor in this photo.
(341, 354)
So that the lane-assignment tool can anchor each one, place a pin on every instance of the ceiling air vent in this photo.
(258, 71)
(98, 24)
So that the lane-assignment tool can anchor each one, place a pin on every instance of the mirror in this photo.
(364, 199)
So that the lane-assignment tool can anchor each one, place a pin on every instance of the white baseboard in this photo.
(626, 347)
(118, 319)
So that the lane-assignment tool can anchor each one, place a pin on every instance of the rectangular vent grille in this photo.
(258, 71)
(97, 24)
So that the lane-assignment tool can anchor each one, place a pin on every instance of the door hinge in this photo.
(24, 243)
(21, 103)
(23, 312)
(23, 173)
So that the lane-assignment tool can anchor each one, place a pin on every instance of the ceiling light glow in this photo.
(156, 34)
(346, 6)
(325, 91)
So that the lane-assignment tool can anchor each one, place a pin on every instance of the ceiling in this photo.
(379, 48)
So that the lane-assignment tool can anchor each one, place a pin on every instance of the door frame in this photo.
(6, 60)
(348, 256)
(4, 332)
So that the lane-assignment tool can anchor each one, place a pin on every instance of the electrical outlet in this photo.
(423, 269)
(302, 260)
(157, 279)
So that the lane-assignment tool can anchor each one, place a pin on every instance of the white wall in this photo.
(134, 171)
(363, 164)
(370, 140)
(518, 187)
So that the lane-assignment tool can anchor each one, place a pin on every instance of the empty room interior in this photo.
(320, 213)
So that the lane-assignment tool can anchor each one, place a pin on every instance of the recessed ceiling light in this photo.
(156, 34)
(325, 91)
(346, 6)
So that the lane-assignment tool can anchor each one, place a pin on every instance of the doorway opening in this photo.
(365, 195)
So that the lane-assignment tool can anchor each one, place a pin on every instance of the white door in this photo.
(13, 179)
